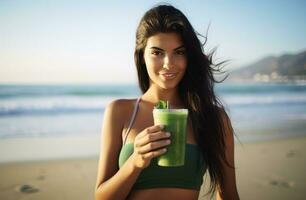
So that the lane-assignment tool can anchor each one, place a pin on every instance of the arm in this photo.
(229, 192)
(113, 183)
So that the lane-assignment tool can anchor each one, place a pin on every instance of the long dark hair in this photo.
(196, 89)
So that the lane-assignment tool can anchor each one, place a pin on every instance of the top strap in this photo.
(132, 119)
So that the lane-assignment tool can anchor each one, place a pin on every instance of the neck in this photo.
(155, 93)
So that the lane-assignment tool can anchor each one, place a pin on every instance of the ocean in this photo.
(37, 118)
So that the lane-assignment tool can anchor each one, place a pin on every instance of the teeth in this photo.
(169, 75)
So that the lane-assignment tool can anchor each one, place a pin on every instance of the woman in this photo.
(171, 66)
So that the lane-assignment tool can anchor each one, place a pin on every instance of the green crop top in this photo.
(189, 176)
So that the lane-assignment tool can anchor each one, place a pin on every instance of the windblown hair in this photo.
(196, 88)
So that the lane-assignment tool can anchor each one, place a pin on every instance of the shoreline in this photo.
(24, 150)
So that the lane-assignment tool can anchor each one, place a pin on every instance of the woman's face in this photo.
(165, 59)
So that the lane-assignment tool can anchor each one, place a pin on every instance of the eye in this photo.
(180, 52)
(156, 53)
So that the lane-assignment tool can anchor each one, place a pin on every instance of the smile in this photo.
(169, 76)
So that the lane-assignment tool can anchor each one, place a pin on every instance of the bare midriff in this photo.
(164, 194)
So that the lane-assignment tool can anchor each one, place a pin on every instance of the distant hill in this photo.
(288, 67)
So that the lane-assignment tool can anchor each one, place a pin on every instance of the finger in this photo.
(152, 137)
(155, 128)
(153, 146)
(150, 130)
(154, 154)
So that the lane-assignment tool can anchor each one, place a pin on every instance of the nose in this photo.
(168, 62)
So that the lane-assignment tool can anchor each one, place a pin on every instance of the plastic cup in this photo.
(175, 122)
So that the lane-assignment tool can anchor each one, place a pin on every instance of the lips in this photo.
(169, 76)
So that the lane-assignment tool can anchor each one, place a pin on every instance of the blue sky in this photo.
(93, 41)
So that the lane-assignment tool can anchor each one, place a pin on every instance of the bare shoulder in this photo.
(226, 121)
(119, 110)
(120, 106)
(121, 103)
(224, 116)
(110, 145)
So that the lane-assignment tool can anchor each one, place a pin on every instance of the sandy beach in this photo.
(265, 170)
(272, 170)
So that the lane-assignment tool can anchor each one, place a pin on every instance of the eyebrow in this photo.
(157, 48)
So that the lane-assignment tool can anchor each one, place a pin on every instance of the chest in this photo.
(143, 120)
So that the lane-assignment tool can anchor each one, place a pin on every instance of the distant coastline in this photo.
(269, 78)
(287, 68)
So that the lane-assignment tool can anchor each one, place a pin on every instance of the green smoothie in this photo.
(175, 121)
